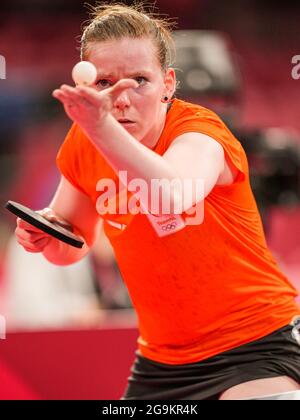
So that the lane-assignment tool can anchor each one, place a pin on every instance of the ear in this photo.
(170, 83)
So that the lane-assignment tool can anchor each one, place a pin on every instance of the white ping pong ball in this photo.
(84, 73)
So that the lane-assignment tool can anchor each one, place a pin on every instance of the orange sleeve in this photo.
(68, 158)
(207, 122)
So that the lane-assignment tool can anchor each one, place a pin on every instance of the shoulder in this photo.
(193, 118)
(184, 109)
(184, 117)
(199, 149)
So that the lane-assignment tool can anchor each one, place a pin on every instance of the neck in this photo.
(152, 138)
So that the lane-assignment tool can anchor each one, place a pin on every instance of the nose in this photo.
(122, 101)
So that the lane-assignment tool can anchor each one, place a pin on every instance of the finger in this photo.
(65, 98)
(66, 101)
(67, 90)
(39, 244)
(74, 94)
(119, 87)
(90, 95)
(45, 211)
(26, 226)
(97, 98)
(51, 216)
(60, 222)
(32, 237)
(34, 249)
(59, 94)
(62, 96)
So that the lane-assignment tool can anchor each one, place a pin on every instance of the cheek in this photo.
(151, 91)
(149, 114)
(149, 102)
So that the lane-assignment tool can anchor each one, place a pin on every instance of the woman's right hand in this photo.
(33, 239)
(88, 107)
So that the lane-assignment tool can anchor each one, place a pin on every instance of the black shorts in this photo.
(277, 354)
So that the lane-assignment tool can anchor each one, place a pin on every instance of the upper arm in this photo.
(197, 156)
(76, 208)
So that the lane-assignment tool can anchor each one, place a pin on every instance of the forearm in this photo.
(124, 153)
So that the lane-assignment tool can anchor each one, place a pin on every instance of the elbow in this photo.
(177, 204)
(191, 193)
(178, 198)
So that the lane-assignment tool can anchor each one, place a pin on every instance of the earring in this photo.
(165, 99)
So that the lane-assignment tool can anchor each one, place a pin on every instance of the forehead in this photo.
(124, 54)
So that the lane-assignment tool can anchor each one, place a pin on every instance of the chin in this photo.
(134, 132)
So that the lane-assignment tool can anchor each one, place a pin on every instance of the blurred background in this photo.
(65, 325)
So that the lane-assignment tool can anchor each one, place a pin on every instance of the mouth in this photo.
(125, 122)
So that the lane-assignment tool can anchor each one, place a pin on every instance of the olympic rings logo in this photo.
(169, 226)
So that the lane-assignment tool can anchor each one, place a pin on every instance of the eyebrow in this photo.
(129, 75)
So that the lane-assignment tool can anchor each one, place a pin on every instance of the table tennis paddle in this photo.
(52, 228)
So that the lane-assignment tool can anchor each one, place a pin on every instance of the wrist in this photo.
(104, 134)
(96, 131)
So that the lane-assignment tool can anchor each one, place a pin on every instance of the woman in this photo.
(214, 310)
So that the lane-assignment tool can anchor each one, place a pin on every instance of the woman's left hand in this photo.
(88, 107)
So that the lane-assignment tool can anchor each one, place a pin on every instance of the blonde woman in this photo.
(215, 313)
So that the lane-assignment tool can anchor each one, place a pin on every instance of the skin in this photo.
(260, 387)
(130, 86)
(134, 64)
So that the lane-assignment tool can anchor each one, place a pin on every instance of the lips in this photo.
(125, 121)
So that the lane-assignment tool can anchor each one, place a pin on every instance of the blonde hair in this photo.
(118, 20)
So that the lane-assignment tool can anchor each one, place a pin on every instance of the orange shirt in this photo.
(206, 288)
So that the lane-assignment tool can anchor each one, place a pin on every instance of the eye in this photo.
(141, 80)
(103, 84)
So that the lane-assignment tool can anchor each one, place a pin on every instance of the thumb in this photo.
(50, 215)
